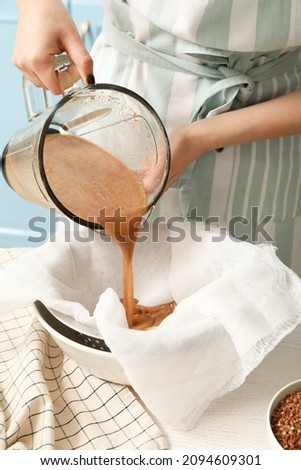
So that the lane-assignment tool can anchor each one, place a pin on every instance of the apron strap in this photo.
(228, 83)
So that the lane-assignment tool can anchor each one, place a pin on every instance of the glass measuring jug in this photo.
(86, 126)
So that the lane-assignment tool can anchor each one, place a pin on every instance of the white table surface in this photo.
(237, 421)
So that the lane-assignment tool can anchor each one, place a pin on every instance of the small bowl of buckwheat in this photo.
(284, 418)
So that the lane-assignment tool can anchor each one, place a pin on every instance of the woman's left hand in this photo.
(181, 150)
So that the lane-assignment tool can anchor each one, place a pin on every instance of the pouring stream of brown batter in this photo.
(97, 187)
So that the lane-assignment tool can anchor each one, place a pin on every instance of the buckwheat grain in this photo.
(286, 421)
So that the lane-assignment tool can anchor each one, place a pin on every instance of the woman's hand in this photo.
(44, 29)
(276, 118)
(180, 152)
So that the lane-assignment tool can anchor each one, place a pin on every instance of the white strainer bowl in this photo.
(89, 351)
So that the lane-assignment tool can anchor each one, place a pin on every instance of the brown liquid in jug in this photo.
(116, 203)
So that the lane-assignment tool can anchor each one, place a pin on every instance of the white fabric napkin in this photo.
(235, 302)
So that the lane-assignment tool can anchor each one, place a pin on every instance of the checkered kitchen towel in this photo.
(48, 402)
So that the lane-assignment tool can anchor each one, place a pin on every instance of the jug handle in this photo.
(62, 62)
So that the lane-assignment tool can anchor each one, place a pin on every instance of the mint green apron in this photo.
(252, 190)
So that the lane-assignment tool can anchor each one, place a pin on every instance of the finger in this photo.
(74, 73)
(68, 77)
(50, 81)
(45, 71)
(34, 79)
(29, 71)
(80, 57)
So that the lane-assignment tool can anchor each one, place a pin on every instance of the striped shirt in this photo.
(194, 58)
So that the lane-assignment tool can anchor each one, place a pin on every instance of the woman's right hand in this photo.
(45, 29)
